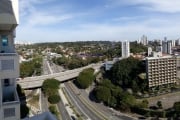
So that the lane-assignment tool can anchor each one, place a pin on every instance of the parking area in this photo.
(167, 99)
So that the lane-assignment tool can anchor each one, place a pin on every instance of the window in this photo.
(4, 40)
(6, 82)
(7, 65)
(9, 112)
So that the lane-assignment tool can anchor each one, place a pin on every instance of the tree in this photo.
(53, 110)
(50, 86)
(24, 110)
(176, 107)
(137, 48)
(125, 73)
(103, 94)
(159, 104)
(144, 103)
(85, 78)
(53, 99)
(20, 91)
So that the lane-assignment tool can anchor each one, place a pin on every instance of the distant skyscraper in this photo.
(169, 47)
(125, 49)
(144, 40)
(173, 43)
(178, 42)
(165, 39)
(158, 48)
(149, 51)
(164, 47)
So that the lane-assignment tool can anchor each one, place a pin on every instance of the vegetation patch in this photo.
(85, 78)
(50, 88)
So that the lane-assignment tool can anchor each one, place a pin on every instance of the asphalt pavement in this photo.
(83, 108)
(63, 111)
(110, 113)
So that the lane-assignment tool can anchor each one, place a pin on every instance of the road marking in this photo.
(77, 104)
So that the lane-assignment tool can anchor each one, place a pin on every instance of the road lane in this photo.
(84, 109)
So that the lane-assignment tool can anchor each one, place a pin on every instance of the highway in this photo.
(80, 105)
(93, 111)
(44, 103)
(63, 111)
(110, 114)
(34, 82)
(46, 70)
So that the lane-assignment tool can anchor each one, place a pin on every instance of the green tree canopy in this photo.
(103, 93)
(125, 73)
(85, 78)
(50, 86)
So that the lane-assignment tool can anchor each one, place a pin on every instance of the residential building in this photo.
(164, 47)
(144, 40)
(178, 42)
(9, 61)
(169, 47)
(173, 43)
(158, 48)
(156, 54)
(108, 65)
(125, 49)
(149, 51)
(178, 66)
(161, 70)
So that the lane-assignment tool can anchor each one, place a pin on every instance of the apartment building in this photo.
(9, 61)
(178, 66)
(125, 49)
(161, 70)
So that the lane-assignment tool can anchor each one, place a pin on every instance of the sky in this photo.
(82, 20)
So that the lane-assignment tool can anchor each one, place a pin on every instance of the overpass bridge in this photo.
(35, 82)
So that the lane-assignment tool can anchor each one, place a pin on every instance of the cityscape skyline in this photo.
(59, 21)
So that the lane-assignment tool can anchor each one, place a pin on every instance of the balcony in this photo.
(9, 14)
(9, 65)
(10, 95)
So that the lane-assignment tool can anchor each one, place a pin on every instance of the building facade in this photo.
(125, 49)
(9, 61)
(144, 40)
(161, 70)
(167, 47)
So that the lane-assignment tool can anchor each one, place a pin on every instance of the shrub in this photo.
(50, 86)
(52, 109)
(24, 110)
(20, 91)
(85, 78)
(53, 99)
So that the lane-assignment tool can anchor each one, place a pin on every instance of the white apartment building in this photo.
(125, 49)
(149, 51)
(161, 70)
(167, 47)
(9, 61)
(144, 40)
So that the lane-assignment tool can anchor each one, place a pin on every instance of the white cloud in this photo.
(168, 6)
(37, 19)
(153, 28)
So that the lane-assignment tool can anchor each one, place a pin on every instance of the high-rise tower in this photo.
(125, 49)
(9, 61)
